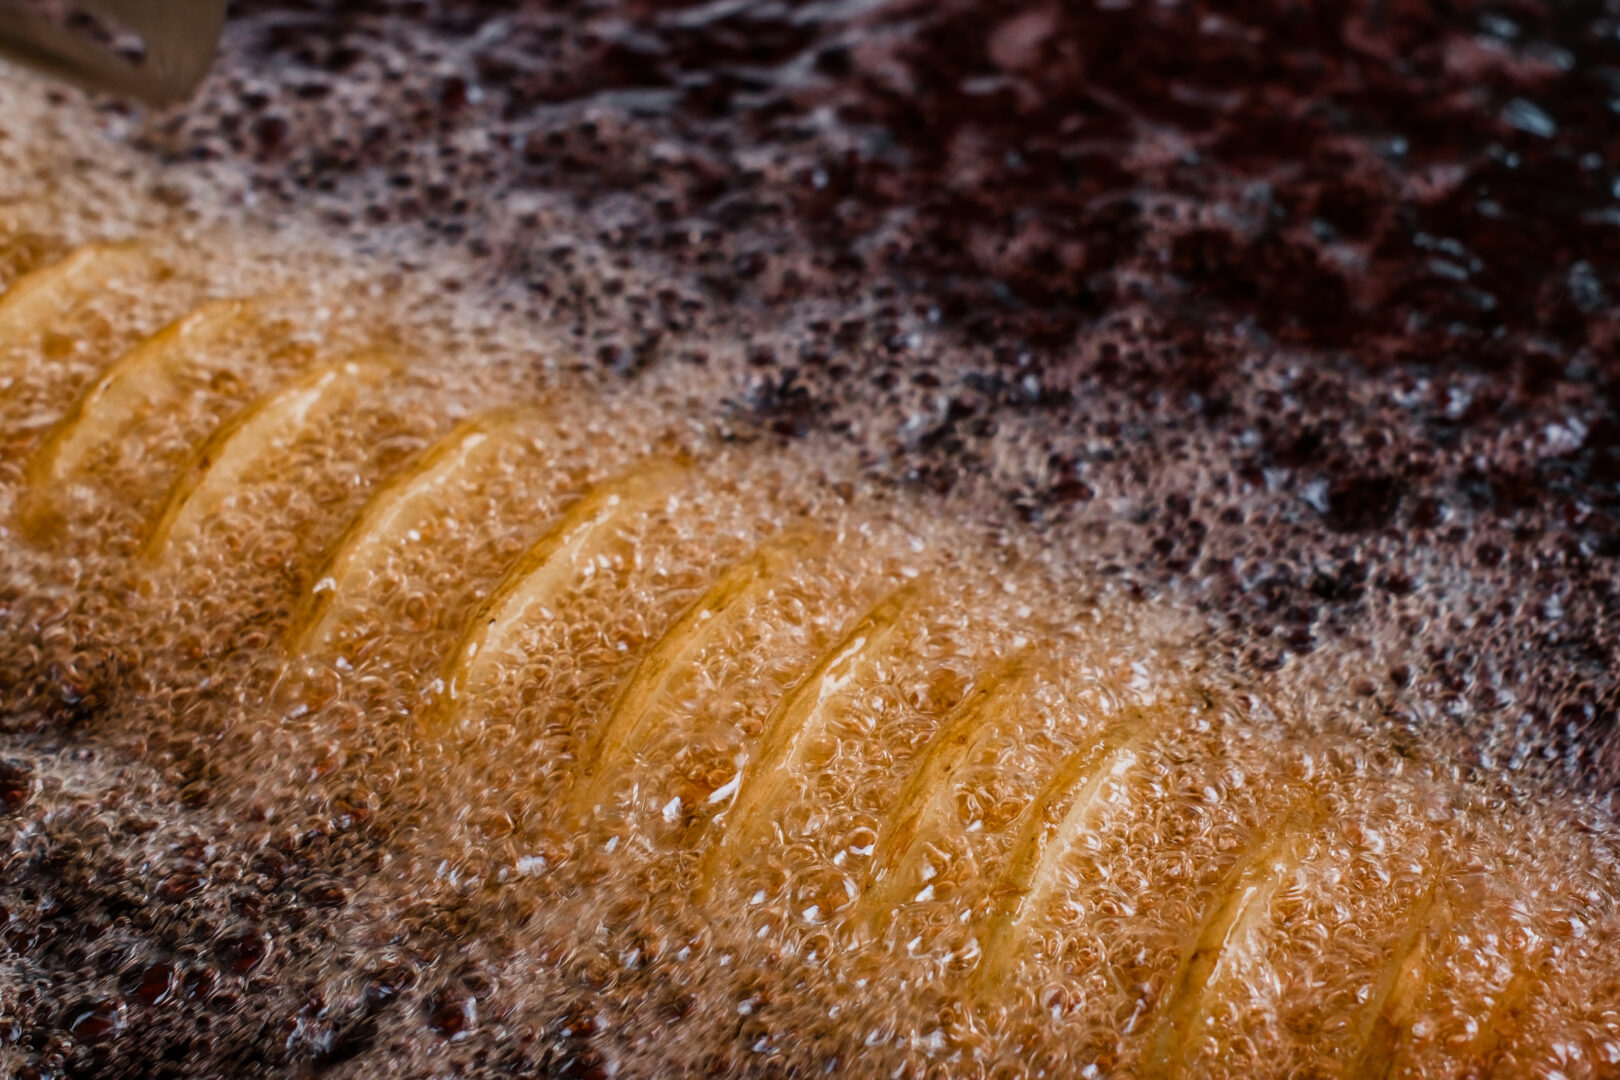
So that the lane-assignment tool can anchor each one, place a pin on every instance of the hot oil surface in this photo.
(371, 848)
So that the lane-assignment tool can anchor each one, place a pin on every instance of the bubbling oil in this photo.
(640, 751)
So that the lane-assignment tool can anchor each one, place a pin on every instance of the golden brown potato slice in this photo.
(22, 251)
(1506, 1017)
(636, 709)
(388, 520)
(1376, 1040)
(796, 720)
(263, 430)
(1058, 814)
(116, 400)
(540, 575)
(41, 296)
(1228, 935)
(920, 810)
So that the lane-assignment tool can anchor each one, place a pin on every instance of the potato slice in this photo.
(41, 296)
(23, 250)
(1058, 814)
(792, 725)
(263, 430)
(540, 575)
(1509, 1010)
(1228, 934)
(115, 400)
(387, 521)
(636, 709)
(921, 808)
(1384, 1020)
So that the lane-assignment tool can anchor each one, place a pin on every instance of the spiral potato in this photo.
(751, 767)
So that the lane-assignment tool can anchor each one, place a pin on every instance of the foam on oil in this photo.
(576, 797)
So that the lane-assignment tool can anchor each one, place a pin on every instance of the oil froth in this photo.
(457, 718)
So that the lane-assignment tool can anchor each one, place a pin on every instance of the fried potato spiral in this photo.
(775, 770)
